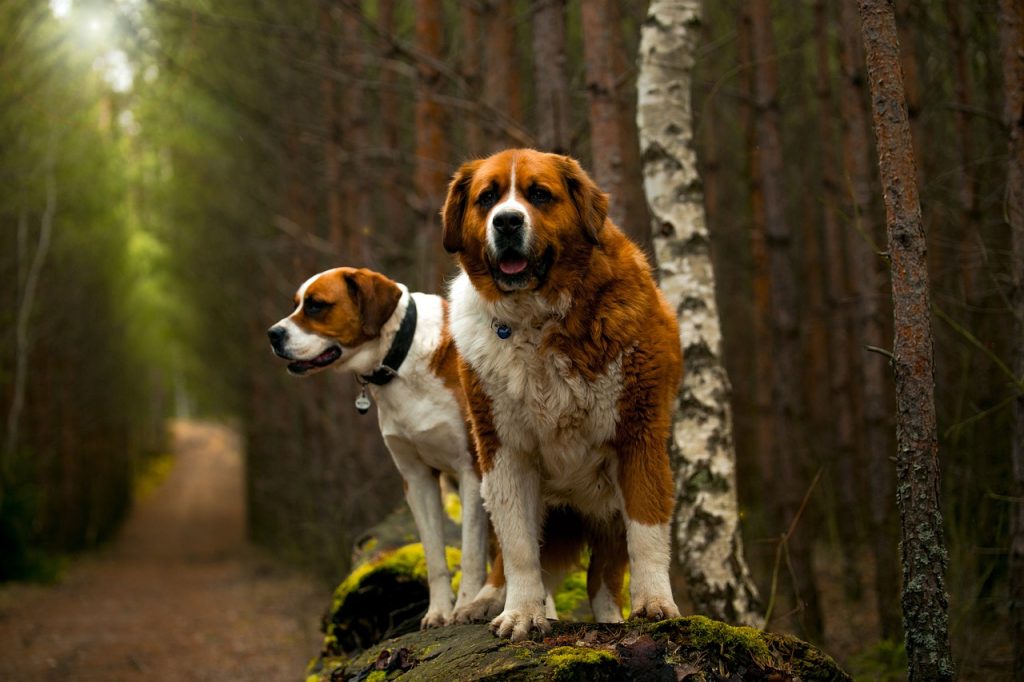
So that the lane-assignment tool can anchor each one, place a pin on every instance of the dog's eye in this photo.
(487, 198)
(313, 306)
(538, 195)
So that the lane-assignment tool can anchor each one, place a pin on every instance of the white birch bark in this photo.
(28, 294)
(709, 546)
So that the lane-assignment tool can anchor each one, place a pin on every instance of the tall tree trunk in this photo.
(26, 301)
(357, 181)
(394, 214)
(786, 367)
(863, 246)
(329, 35)
(842, 440)
(1011, 34)
(432, 151)
(549, 75)
(707, 534)
(917, 453)
(761, 283)
(469, 15)
(966, 182)
(613, 136)
(501, 82)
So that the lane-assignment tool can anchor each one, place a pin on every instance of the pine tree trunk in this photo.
(1011, 33)
(432, 152)
(501, 83)
(788, 409)
(329, 21)
(469, 16)
(863, 247)
(613, 135)
(709, 544)
(842, 437)
(917, 458)
(549, 75)
(761, 284)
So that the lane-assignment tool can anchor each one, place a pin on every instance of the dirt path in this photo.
(179, 596)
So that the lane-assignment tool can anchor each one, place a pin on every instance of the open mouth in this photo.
(514, 270)
(319, 362)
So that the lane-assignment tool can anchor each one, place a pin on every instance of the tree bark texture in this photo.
(550, 79)
(924, 598)
(432, 145)
(613, 133)
(1011, 19)
(709, 543)
(863, 246)
(788, 409)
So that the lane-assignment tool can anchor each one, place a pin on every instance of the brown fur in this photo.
(616, 312)
(359, 302)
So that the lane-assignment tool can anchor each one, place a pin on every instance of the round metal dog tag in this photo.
(363, 402)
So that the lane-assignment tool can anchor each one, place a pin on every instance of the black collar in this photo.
(400, 346)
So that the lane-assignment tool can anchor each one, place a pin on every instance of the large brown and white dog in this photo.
(360, 321)
(570, 358)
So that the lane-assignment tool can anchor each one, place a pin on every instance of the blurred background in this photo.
(171, 171)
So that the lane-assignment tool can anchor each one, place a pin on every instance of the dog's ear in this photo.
(375, 295)
(453, 213)
(591, 203)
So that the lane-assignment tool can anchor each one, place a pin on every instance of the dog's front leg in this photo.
(511, 490)
(645, 481)
(423, 493)
(474, 538)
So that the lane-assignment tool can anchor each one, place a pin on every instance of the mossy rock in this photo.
(384, 597)
(696, 649)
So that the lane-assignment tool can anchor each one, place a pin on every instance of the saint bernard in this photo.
(570, 359)
(398, 345)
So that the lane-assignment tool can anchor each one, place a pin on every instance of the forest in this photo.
(171, 171)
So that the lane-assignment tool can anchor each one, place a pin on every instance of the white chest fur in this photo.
(541, 407)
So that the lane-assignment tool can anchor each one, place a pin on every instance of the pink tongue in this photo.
(512, 267)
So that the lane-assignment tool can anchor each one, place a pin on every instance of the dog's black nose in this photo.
(508, 222)
(276, 335)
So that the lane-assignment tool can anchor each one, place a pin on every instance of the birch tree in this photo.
(707, 534)
(924, 599)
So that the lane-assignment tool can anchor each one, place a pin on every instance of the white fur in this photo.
(649, 589)
(424, 430)
(604, 607)
(510, 203)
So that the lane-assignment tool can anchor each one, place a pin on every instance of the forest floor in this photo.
(179, 595)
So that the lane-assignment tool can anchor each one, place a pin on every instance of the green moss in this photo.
(572, 593)
(453, 507)
(704, 632)
(376, 676)
(407, 560)
(575, 662)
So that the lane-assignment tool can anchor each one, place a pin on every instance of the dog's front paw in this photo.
(488, 603)
(654, 608)
(435, 618)
(517, 624)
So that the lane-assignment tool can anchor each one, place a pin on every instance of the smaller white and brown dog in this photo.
(398, 345)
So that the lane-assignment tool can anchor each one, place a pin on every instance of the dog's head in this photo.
(521, 218)
(336, 313)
